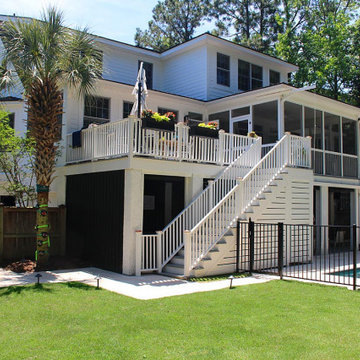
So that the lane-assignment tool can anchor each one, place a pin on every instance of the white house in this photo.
(136, 195)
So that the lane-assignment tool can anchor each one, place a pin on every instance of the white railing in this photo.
(172, 234)
(147, 252)
(112, 140)
(201, 238)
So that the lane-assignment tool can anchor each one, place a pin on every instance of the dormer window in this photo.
(148, 67)
(274, 77)
(223, 69)
(250, 76)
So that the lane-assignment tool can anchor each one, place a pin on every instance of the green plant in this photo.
(157, 117)
(210, 125)
(253, 134)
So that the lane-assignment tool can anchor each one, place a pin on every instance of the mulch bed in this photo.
(55, 263)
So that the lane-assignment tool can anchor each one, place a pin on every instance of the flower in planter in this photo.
(146, 114)
(210, 125)
(170, 115)
(157, 117)
(252, 134)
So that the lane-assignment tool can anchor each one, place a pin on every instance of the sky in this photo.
(115, 19)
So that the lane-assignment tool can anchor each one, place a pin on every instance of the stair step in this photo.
(181, 252)
(249, 210)
(179, 260)
(214, 249)
(267, 191)
(284, 171)
(273, 183)
(261, 197)
(229, 233)
(174, 269)
(221, 241)
(278, 177)
(243, 217)
(206, 258)
(255, 203)
(198, 267)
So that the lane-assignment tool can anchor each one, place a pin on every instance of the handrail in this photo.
(202, 237)
(172, 234)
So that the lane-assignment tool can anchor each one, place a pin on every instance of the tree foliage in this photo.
(173, 22)
(17, 163)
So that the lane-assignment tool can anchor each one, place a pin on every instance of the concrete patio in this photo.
(144, 287)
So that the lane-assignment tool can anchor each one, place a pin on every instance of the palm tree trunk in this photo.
(42, 227)
(44, 102)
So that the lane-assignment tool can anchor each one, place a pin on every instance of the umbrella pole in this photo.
(139, 101)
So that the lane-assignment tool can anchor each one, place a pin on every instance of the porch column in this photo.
(324, 216)
(281, 121)
(193, 186)
(133, 216)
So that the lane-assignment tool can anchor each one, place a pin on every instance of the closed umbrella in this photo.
(140, 92)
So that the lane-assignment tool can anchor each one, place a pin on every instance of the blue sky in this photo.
(115, 19)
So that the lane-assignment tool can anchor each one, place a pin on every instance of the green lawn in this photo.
(275, 320)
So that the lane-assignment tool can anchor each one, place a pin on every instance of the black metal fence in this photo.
(310, 252)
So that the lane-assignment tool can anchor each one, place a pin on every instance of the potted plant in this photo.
(154, 120)
(208, 130)
(252, 134)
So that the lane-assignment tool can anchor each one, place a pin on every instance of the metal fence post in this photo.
(354, 255)
(237, 246)
(251, 241)
(280, 249)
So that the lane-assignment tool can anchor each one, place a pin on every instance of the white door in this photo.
(240, 125)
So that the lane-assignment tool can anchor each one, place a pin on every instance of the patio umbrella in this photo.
(140, 92)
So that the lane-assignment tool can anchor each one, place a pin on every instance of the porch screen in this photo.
(265, 122)
(293, 118)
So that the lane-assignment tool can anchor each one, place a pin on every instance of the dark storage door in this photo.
(95, 212)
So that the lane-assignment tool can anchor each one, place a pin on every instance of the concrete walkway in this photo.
(139, 287)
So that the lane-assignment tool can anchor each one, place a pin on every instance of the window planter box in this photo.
(150, 123)
(202, 131)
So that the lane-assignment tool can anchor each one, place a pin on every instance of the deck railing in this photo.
(289, 151)
(128, 137)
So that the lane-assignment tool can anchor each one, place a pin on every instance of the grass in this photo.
(275, 320)
(219, 277)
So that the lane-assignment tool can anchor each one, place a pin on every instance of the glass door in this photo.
(240, 125)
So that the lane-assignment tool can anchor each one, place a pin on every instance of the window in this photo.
(127, 106)
(97, 110)
(250, 76)
(313, 126)
(274, 77)
(349, 136)
(11, 117)
(293, 118)
(223, 69)
(265, 121)
(194, 118)
(332, 132)
(240, 112)
(163, 111)
(148, 67)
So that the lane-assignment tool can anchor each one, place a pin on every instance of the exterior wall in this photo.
(185, 74)
(215, 90)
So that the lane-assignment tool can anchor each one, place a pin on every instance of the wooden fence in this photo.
(18, 235)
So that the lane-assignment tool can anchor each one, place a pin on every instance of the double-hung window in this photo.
(250, 76)
(96, 111)
(223, 69)
(274, 77)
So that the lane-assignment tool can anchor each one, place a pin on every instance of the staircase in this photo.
(200, 239)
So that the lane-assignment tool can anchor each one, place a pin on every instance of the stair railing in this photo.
(172, 235)
(204, 236)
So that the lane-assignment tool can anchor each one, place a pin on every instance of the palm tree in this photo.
(45, 56)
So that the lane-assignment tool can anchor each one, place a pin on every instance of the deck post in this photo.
(221, 149)
(187, 253)
(131, 136)
(211, 194)
(354, 249)
(239, 196)
(159, 251)
(138, 249)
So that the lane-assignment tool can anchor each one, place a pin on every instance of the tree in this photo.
(173, 22)
(47, 56)
(17, 163)
(322, 49)
(252, 23)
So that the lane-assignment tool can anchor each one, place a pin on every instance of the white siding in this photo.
(215, 90)
(185, 74)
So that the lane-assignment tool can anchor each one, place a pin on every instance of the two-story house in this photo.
(136, 195)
